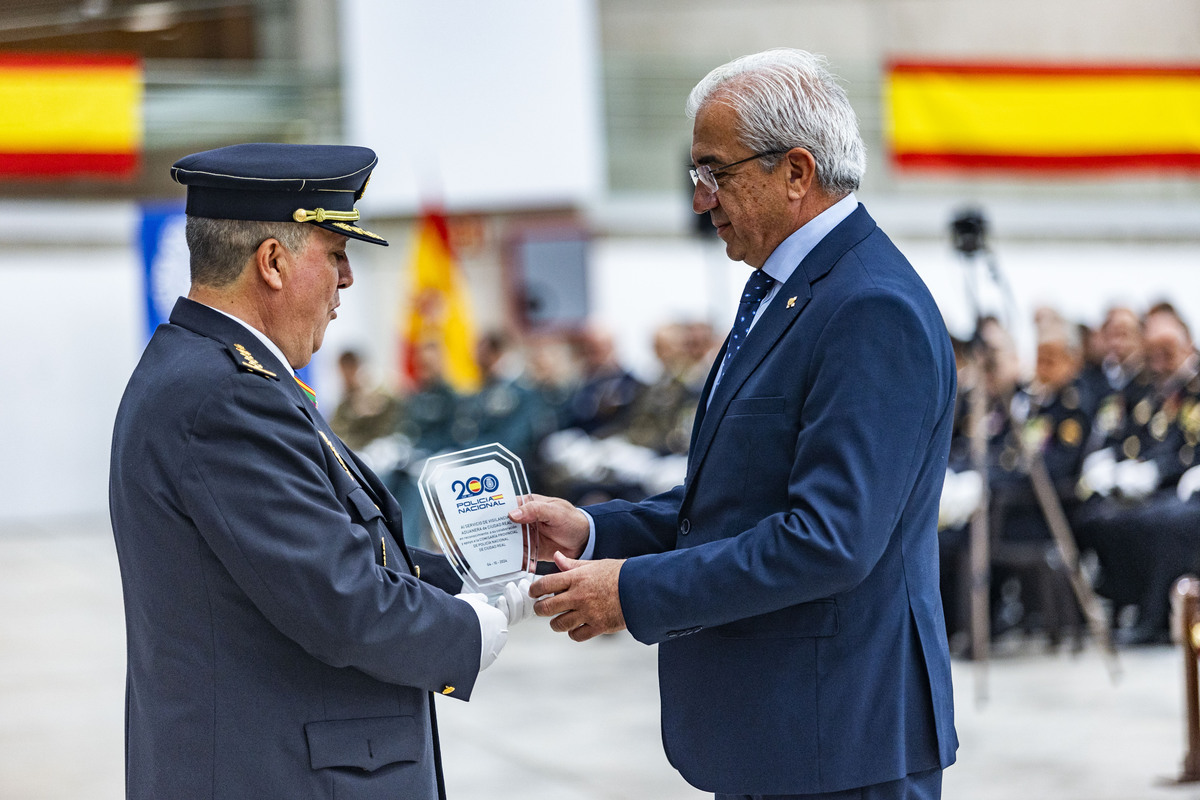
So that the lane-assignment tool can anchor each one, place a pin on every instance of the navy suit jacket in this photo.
(792, 580)
(271, 652)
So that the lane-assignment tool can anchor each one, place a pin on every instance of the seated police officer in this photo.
(1133, 517)
(1048, 421)
(1120, 354)
(282, 639)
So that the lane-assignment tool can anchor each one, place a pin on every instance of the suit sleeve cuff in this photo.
(590, 549)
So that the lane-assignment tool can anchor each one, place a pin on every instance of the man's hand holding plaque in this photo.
(468, 496)
(559, 526)
(584, 596)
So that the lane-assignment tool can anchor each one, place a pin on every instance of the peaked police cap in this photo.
(311, 183)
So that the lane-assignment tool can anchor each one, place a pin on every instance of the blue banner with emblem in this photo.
(164, 261)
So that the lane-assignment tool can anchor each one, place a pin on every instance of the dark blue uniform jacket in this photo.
(271, 650)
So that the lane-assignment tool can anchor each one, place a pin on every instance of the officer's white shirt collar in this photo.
(791, 251)
(262, 337)
(784, 260)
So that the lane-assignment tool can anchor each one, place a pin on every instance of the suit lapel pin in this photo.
(791, 302)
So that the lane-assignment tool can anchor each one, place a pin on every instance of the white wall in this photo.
(474, 105)
(71, 333)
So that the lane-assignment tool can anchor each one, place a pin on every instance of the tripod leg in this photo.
(1064, 540)
(980, 557)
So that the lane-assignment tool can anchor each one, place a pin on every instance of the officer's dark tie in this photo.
(757, 286)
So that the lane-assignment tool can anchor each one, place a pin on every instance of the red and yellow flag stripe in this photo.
(439, 309)
(982, 115)
(70, 114)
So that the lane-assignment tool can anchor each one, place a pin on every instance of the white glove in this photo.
(1189, 482)
(493, 628)
(515, 602)
(961, 494)
(1136, 479)
(1099, 472)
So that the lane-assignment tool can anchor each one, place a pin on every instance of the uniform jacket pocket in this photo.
(366, 744)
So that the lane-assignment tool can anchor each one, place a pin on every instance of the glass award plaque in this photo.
(467, 497)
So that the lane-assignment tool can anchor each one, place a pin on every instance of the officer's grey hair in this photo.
(787, 98)
(1060, 331)
(220, 248)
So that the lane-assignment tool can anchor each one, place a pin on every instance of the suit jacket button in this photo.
(685, 526)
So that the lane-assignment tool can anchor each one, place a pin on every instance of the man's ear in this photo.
(801, 172)
(271, 262)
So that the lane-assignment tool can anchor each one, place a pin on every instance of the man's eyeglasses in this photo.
(704, 174)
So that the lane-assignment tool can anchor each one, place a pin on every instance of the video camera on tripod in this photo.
(968, 231)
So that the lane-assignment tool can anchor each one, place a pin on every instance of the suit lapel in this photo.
(785, 308)
(702, 406)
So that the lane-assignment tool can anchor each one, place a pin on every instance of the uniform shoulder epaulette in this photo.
(250, 364)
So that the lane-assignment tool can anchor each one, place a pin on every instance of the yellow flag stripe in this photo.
(1058, 113)
(439, 307)
(67, 109)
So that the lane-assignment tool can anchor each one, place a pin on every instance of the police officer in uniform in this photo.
(1121, 384)
(282, 639)
(1122, 360)
(1143, 534)
(1048, 420)
(1121, 381)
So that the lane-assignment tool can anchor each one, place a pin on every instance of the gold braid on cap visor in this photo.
(320, 215)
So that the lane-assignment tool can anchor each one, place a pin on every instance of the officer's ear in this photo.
(271, 262)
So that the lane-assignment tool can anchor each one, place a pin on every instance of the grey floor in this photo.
(558, 720)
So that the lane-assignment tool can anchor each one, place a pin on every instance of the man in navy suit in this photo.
(283, 641)
(791, 582)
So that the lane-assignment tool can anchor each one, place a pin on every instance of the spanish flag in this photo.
(70, 115)
(438, 307)
(1042, 117)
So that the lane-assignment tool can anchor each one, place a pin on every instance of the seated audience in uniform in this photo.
(1142, 532)
(1047, 426)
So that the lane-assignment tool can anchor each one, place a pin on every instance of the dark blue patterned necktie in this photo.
(757, 286)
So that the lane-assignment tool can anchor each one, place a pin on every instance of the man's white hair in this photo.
(787, 98)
